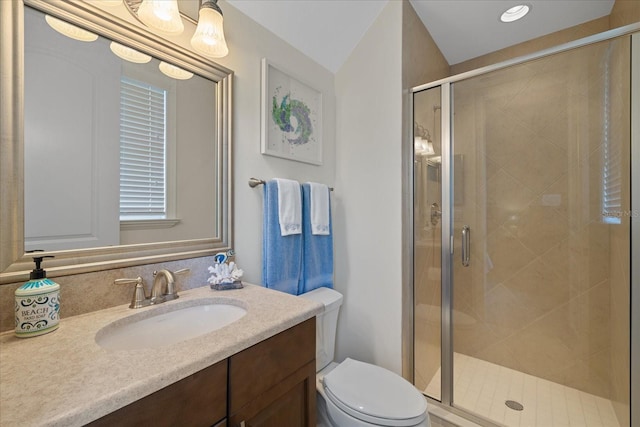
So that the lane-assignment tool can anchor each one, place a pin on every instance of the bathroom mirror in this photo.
(65, 128)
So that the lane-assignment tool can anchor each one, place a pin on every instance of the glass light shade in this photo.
(128, 54)
(209, 36)
(161, 15)
(428, 150)
(69, 30)
(174, 72)
(111, 2)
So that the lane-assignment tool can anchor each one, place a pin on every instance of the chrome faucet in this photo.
(163, 289)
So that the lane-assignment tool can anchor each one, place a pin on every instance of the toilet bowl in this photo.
(354, 393)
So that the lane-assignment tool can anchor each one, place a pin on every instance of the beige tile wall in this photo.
(533, 139)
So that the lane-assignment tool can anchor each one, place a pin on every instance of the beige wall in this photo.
(624, 12)
(368, 181)
(422, 61)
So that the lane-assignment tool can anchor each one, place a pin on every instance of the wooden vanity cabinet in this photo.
(198, 400)
(273, 383)
(269, 384)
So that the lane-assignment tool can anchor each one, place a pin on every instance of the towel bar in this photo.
(254, 182)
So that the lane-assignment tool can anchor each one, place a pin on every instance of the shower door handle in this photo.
(466, 245)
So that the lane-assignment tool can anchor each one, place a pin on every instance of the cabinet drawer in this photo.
(198, 400)
(261, 367)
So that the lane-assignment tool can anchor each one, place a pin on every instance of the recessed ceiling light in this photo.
(514, 13)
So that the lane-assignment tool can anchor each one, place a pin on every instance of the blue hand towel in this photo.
(317, 257)
(281, 255)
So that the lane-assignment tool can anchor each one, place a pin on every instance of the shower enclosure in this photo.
(522, 237)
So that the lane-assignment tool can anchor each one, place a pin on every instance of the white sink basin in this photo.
(162, 326)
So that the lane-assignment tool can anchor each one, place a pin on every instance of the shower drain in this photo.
(512, 404)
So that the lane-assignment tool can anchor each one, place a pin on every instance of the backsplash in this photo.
(87, 292)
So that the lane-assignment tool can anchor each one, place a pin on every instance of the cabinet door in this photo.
(198, 400)
(291, 403)
(273, 382)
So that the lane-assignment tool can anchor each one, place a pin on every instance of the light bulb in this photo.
(208, 38)
(161, 15)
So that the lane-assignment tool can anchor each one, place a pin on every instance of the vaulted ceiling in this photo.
(328, 30)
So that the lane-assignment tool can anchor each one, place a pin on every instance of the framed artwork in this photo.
(291, 124)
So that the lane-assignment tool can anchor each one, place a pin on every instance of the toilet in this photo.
(354, 393)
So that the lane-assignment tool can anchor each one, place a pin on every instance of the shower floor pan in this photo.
(491, 391)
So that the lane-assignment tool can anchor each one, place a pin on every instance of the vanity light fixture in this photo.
(161, 15)
(69, 30)
(128, 54)
(164, 16)
(514, 13)
(208, 38)
(423, 145)
(174, 72)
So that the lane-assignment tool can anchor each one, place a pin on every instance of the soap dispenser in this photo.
(37, 303)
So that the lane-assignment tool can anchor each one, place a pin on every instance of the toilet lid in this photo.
(374, 394)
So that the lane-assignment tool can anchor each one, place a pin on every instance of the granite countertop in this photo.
(65, 378)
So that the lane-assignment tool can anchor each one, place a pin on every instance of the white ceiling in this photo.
(328, 30)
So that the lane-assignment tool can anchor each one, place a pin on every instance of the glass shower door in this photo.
(427, 242)
(541, 167)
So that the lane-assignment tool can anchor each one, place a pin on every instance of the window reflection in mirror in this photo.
(116, 152)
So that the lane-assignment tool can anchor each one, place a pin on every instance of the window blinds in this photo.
(142, 150)
(612, 170)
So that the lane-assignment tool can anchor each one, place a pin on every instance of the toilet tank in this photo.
(326, 323)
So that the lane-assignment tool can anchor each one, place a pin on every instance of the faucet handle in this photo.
(139, 298)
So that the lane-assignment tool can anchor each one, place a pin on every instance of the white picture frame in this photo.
(291, 119)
